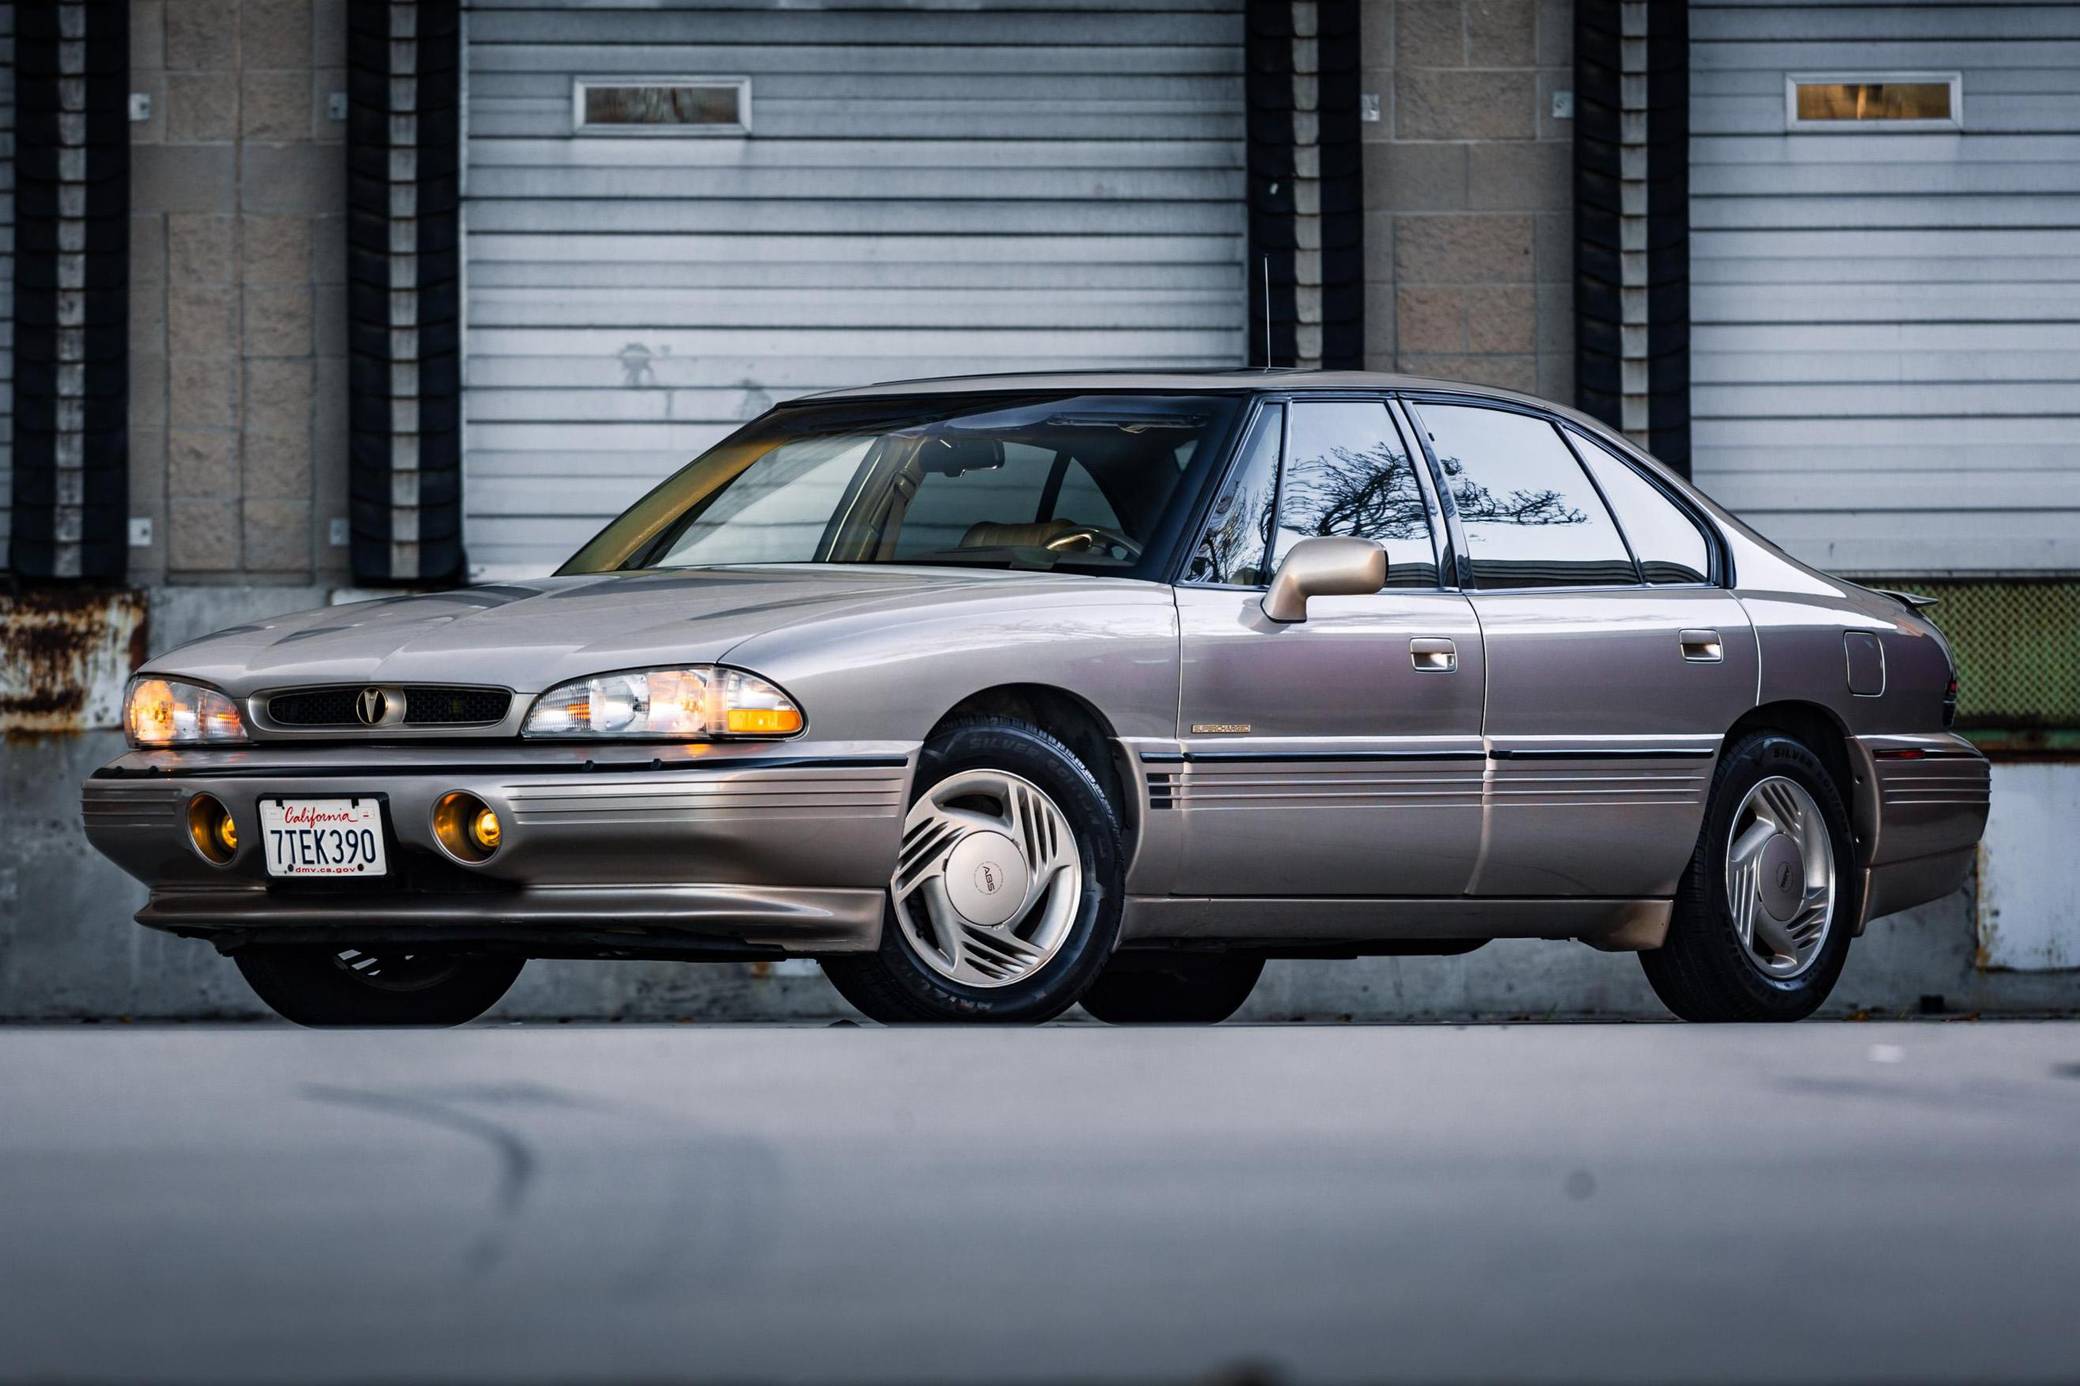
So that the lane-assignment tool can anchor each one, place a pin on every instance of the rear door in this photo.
(1608, 693)
(1340, 755)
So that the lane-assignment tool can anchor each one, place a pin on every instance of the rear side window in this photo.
(1530, 516)
(1350, 474)
(1669, 546)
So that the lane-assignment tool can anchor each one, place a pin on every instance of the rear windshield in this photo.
(1082, 482)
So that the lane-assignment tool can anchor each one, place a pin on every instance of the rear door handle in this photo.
(1433, 656)
(1703, 647)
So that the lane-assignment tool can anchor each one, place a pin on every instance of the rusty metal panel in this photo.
(65, 656)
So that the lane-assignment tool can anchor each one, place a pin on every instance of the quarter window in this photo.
(1349, 474)
(1231, 548)
(1530, 516)
(1667, 543)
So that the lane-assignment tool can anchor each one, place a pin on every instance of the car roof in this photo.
(1279, 380)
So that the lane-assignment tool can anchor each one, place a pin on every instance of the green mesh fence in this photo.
(2018, 652)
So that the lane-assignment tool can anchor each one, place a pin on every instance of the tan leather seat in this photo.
(985, 534)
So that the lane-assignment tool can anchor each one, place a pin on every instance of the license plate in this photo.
(322, 837)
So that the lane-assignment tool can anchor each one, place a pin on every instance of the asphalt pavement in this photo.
(1653, 1203)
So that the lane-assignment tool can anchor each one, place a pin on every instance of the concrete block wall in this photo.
(1469, 238)
(238, 290)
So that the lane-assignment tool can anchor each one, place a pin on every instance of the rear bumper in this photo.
(742, 850)
(1926, 811)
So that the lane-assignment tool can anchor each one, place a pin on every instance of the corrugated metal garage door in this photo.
(1886, 339)
(926, 190)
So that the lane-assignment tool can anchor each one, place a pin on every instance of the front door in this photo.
(1340, 755)
(1615, 665)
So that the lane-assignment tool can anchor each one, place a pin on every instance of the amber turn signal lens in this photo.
(762, 721)
(212, 829)
(466, 826)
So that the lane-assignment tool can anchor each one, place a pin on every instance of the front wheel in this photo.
(1005, 900)
(1172, 988)
(1763, 915)
(326, 988)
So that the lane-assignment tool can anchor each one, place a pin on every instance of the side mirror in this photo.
(1327, 567)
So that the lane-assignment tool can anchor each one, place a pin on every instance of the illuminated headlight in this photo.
(167, 712)
(694, 703)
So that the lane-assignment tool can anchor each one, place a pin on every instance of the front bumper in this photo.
(728, 850)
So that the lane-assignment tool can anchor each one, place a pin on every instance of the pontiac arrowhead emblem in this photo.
(371, 706)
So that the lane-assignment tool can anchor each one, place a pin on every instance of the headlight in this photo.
(696, 703)
(167, 712)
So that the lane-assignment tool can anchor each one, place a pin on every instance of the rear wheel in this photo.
(1172, 988)
(1005, 900)
(1763, 916)
(326, 987)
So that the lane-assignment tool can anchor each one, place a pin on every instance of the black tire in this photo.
(316, 985)
(1172, 988)
(894, 986)
(1700, 973)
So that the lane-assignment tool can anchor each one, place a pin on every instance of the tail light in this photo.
(1950, 703)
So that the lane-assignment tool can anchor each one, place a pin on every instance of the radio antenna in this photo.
(1265, 274)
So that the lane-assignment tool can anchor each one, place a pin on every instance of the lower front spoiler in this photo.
(716, 922)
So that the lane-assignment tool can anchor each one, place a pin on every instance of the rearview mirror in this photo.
(1327, 567)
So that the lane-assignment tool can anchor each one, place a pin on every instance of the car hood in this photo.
(530, 636)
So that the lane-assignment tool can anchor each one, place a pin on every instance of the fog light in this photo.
(466, 826)
(212, 829)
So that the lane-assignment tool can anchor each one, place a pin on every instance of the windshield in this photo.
(1085, 483)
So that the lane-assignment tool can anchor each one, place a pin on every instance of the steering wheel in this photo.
(1096, 537)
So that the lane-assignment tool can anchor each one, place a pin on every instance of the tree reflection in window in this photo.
(1351, 476)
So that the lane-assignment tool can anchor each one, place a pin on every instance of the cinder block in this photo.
(202, 462)
(329, 249)
(276, 106)
(148, 316)
(276, 250)
(1416, 177)
(1439, 104)
(147, 249)
(1430, 321)
(205, 535)
(202, 247)
(1556, 318)
(278, 467)
(1550, 126)
(183, 178)
(306, 178)
(147, 37)
(1380, 320)
(147, 393)
(1430, 33)
(324, 82)
(1526, 176)
(1375, 38)
(1556, 377)
(202, 34)
(331, 320)
(278, 320)
(1491, 248)
(202, 391)
(201, 319)
(1381, 84)
(1499, 33)
(278, 536)
(201, 107)
(1503, 318)
(275, 33)
(1556, 33)
(1555, 242)
(153, 86)
(1503, 372)
(278, 395)
(328, 33)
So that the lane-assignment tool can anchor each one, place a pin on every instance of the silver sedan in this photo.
(997, 695)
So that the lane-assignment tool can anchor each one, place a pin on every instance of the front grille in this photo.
(425, 705)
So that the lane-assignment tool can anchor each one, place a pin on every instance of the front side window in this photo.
(1668, 545)
(1079, 482)
(1530, 516)
(1350, 474)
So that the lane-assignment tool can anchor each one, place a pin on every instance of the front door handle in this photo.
(1703, 647)
(1433, 656)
